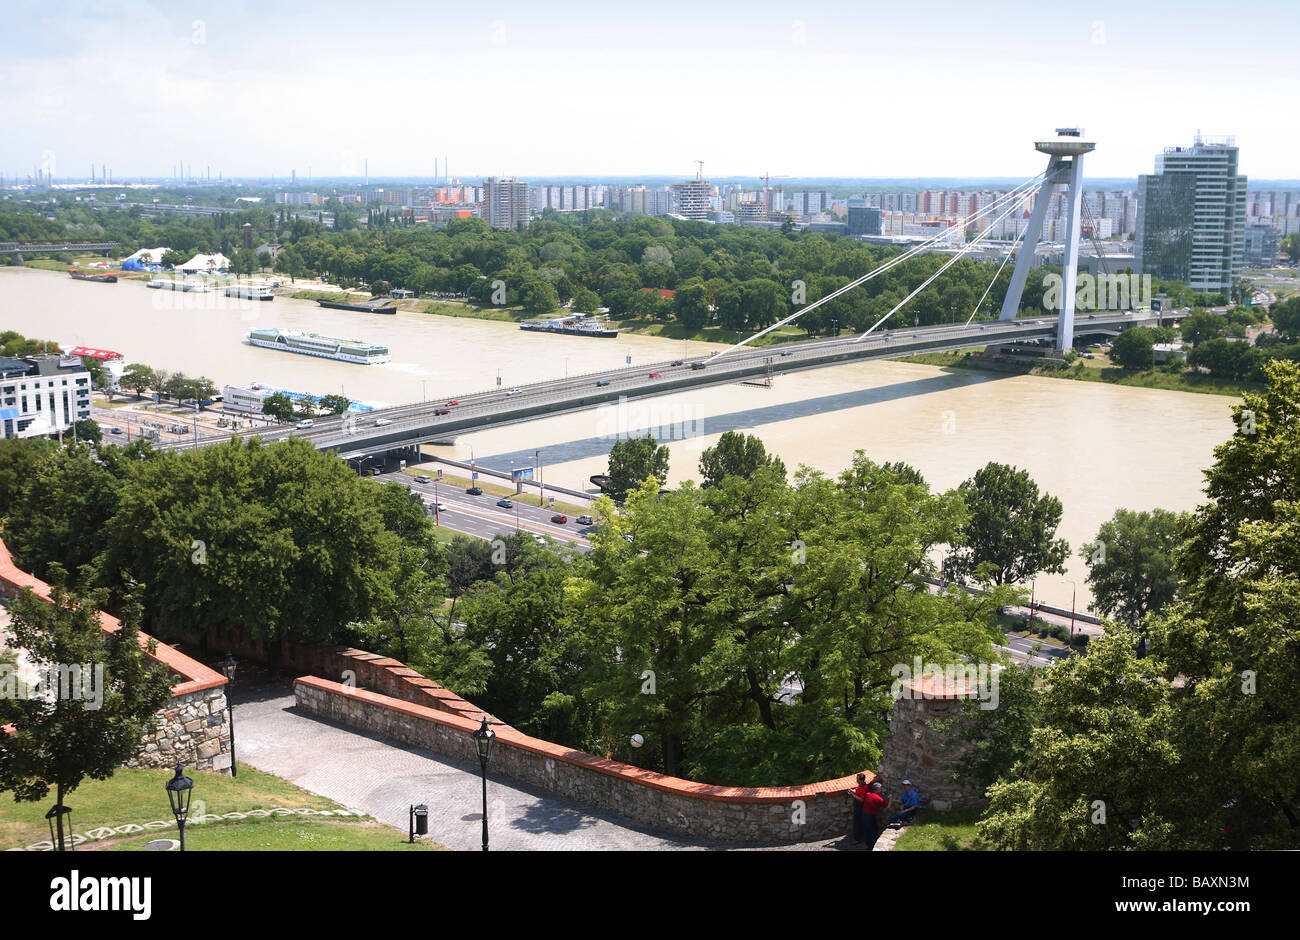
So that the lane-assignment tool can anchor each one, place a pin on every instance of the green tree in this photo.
(691, 305)
(585, 301)
(1133, 349)
(634, 460)
(246, 534)
(20, 460)
(87, 430)
(1010, 536)
(279, 406)
(1286, 318)
(138, 377)
(1131, 563)
(735, 454)
(334, 404)
(103, 705)
(1201, 325)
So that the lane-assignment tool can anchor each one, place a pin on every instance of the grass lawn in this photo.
(953, 831)
(289, 835)
(461, 308)
(500, 489)
(137, 796)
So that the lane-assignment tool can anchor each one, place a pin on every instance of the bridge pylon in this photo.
(1064, 165)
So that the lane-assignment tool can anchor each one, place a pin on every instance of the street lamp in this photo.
(1074, 591)
(179, 790)
(228, 667)
(483, 739)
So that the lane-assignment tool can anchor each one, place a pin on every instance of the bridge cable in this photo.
(1018, 191)
(996, 274)
(946, 265)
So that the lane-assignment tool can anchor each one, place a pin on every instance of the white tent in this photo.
(148, 255)
(216, 262)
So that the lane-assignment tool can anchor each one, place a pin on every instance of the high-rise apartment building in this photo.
(694, 198)
(505, 202)
(1192, 216)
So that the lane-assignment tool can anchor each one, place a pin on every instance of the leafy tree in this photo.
(585, 301)
(633, 460)
(87, 430)
(1286, 318)
(20, 459)
(1131, 563)
(58, 741)
(334, 404)
(539, 298)
(735, 454)
(1010, 536)
(1133, 349)
(998, 737)
(172, 257)
(1236, 619)
(691, 305)
(138, 377)
(278, 406)
(1223, 359)
(1201, 325)
(247, 534)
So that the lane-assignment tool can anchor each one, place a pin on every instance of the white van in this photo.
(305, 424)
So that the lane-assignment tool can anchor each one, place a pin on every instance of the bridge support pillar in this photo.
(1025, 259)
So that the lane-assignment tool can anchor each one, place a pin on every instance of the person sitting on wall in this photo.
(910, 802)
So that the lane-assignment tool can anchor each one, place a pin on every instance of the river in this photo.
(1097, 447)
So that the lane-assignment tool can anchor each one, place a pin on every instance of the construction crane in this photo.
(699, 173)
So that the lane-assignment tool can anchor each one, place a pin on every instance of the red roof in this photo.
(664, 292)
(90, 353)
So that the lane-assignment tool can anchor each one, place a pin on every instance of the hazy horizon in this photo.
(819, 90)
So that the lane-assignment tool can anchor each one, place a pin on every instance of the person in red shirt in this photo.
(859, 793)
(872, 805)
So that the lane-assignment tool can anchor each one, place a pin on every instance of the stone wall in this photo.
(694, 811)
(917, 750)
(194, 730)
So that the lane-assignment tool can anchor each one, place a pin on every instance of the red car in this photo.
(656, 375)
(559, 519)
(675, 362)
(454, 401)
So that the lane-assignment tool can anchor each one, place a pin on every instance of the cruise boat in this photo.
(189, 284)
(326, 347)
(570, 326)
(93, 276)
(250, 292)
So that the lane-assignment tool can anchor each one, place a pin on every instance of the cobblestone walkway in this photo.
(382, 778)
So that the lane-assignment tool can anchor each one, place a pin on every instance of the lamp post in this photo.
(483, 739)
(228, 667)
(1074, 592)
(179, 790)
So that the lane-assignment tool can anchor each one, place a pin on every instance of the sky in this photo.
(808, 89)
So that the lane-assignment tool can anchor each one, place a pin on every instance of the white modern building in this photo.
(505, 202)
(41, 395)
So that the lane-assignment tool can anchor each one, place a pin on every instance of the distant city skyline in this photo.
(821, 90)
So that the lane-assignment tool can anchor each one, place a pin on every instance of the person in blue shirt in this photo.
(910, 802)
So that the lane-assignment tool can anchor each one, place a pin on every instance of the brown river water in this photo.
(1096, 447)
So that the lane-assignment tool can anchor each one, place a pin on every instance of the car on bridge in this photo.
(697, 365)
(601, 383)
(305, 424)
(560, 518)
(676, 362)
(381, 422)
(514, 391)
(475, 491)
(454, 401)
(505, 504)
(441, 411)
(787, 352)
(656, 375)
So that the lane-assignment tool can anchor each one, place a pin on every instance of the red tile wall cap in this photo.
(195, 677)
(638, 775)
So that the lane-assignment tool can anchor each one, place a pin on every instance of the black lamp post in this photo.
(228, 667)
(483, 739)
(179, 790)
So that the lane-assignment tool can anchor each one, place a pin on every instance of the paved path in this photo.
(382, 778)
